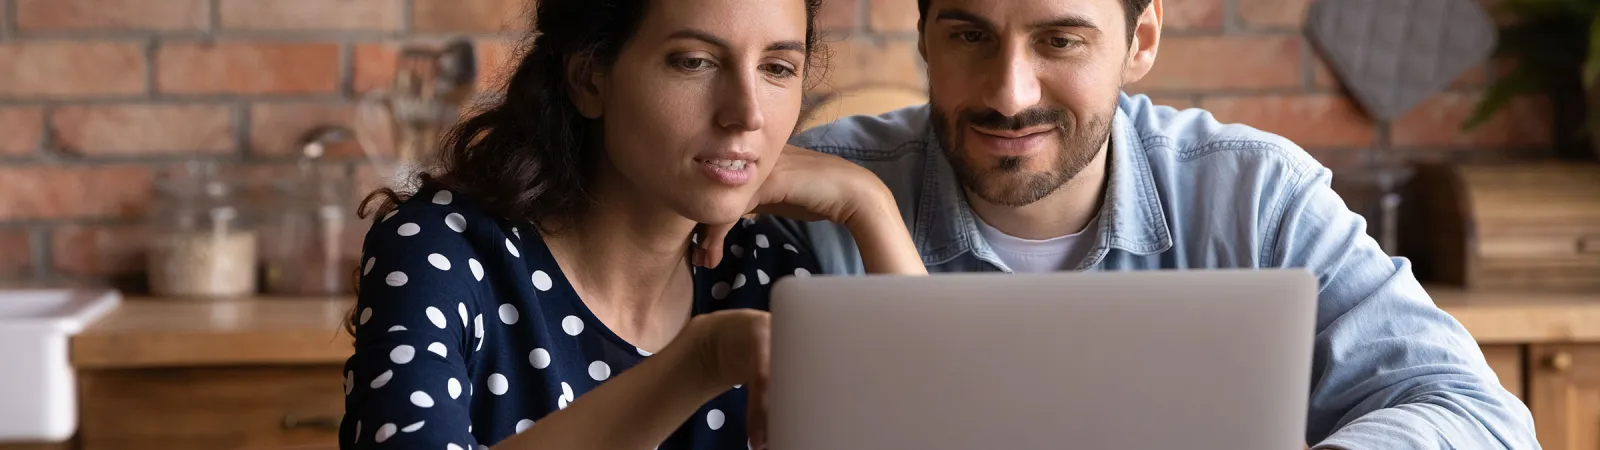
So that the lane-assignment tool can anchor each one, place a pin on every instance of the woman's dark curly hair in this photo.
(530, 155)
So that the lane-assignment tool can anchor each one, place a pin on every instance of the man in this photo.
(1029, 158)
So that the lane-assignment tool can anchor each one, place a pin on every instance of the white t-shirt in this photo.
(1039, 256)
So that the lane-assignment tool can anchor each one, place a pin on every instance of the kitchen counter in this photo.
(151, 332)
(148, 332)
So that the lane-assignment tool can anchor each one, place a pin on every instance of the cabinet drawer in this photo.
(211, 408)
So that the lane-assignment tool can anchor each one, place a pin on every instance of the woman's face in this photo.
(700, 102)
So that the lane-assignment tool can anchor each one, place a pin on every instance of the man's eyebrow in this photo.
(1067, 21)
(961, 15)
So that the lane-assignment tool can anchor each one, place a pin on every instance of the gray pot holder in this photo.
(1393, 54)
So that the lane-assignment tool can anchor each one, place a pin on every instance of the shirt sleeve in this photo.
(1391, 370)
(417, 317)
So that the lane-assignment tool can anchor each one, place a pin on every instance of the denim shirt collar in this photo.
(1132, 219)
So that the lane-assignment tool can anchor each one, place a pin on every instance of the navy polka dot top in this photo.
(467, 332)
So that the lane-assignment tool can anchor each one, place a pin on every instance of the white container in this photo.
(38, 389)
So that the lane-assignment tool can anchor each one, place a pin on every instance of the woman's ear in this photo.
(586, 85)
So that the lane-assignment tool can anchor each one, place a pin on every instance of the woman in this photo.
(539, 290)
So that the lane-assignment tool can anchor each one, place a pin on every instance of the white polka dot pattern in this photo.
(456, 222)
(386, 384)
(715, 419)
(436, 317)
(508, 314)
(541, 281)
(572, 325)
(382, 379)
(539, 358)
(396, 279)
(421, 399)
(402, 354)
(498, 384)
(439, 261)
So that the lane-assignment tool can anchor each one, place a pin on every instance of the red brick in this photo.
(247, 68)
(16, 253)
(893, 15)
(373, 64)
(1193, 15)
(71, 69)
(136, 130)
(98, 251)
(1273, 13)
(310, 14)
(470, 15)
(277, 128)
(1436, 124)
(1200, 63)
(161, 15)
(860, 62)
(20, 128)
(1310, 120)
(56, 192)
(1472, 78)
(842, 14)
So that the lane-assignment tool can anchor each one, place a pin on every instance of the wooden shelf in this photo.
(1499, 317)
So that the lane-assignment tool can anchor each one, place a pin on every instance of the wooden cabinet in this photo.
(1564, 395)
(212, 408)
(1507, 362)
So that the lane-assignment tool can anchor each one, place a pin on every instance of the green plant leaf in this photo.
(1521, 80)
(1591, 64)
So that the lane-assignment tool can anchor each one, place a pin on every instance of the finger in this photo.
(756, 422)
(710, 245)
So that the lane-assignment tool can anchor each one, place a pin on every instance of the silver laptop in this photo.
(1199, 360)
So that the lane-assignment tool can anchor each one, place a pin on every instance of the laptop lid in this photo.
(1129, 360)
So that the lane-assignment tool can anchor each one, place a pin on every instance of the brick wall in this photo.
(96, 95)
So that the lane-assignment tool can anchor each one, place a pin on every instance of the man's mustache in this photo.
(1028, 118)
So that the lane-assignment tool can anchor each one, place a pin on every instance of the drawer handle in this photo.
(1560, 362)
(292, 421)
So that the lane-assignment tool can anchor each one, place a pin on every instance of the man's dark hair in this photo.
(1131, 8)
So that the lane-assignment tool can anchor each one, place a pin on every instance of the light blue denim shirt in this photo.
(1391, 370)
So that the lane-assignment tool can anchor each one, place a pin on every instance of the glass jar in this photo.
(202, 244)
(310, 230)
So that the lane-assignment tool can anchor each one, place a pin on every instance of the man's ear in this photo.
(1146, 40)
(586, 85)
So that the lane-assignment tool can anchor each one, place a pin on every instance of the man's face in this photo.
(1023, 91)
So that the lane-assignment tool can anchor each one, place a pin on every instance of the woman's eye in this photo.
(692, 63)
(971, 36)
(778, 70)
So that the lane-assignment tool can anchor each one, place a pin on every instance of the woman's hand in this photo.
(812, 186)
(732, 347)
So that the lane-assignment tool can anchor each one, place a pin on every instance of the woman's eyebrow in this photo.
(707, 37)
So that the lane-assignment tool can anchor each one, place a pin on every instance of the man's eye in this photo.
(1061, 42)
(972, 36)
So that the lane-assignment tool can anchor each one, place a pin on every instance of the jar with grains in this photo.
(313, 251)
(202, 244)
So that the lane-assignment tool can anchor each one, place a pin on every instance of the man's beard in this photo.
(1007, 182)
